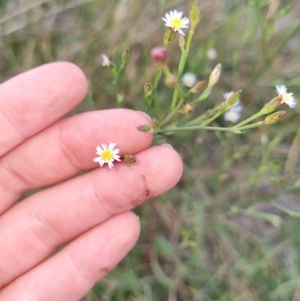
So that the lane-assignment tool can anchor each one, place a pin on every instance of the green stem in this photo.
(185, 53)
(213, 128)
(208, 121)
(157, 78)
(202, 97)
(206, 115)
(248, 120)
(196, 120)
(174, 100)
(172, 114)
(180, 92)
(182, 62)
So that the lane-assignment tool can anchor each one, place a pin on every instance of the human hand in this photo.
(90, 213)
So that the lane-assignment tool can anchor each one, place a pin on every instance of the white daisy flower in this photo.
(234, 113)
(211, 54)
(105, 60)
(287, 98)
(107, 154)
(174, 20)
(189, 79)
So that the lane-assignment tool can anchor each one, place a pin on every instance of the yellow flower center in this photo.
(176, 23)
(107, 155)
(232, 115)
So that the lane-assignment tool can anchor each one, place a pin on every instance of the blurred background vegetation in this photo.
(230, 229)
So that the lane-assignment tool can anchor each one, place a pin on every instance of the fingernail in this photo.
(168, 145)
(146, 115)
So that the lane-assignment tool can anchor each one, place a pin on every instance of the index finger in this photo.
(35, 99)
(66, 148)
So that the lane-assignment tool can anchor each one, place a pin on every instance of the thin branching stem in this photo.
(212, 128)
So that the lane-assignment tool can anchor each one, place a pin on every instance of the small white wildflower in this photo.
(105, 60)
(227, 95)
(211, 54)
(234, 113)
(107, 154)
(189, 79)
(174, 20)
(287, 98)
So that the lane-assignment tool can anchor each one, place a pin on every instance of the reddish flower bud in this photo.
(159, 55)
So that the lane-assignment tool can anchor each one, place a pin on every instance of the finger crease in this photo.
(29, 294)
(78, 267)
(12, 179)
(68, 153)
(43, 231)
(15, 121)
(101, 199)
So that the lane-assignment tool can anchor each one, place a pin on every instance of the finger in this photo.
(72, 272)
(34, 228)
(35, 99)
(66, 148)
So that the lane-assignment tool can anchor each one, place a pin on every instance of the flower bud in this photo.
(147, 89)
(144, 128)
(170, 80)
(215, 75)
(275, 117)
(232, 99)
(188, 109)
(159, 55)
(125, 56)
(129, 159)
(194, 13)
(148, 93)
(271, 105)
(154, 128)
(199, 86)
(169, 36)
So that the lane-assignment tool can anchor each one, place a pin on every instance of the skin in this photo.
(89, 213)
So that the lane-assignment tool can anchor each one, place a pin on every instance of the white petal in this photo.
(292, 103)
(98, 149)
(111, 146)
(179, 14)
(281, 89)
(186, 20)
(115, 151)
(168, 16)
